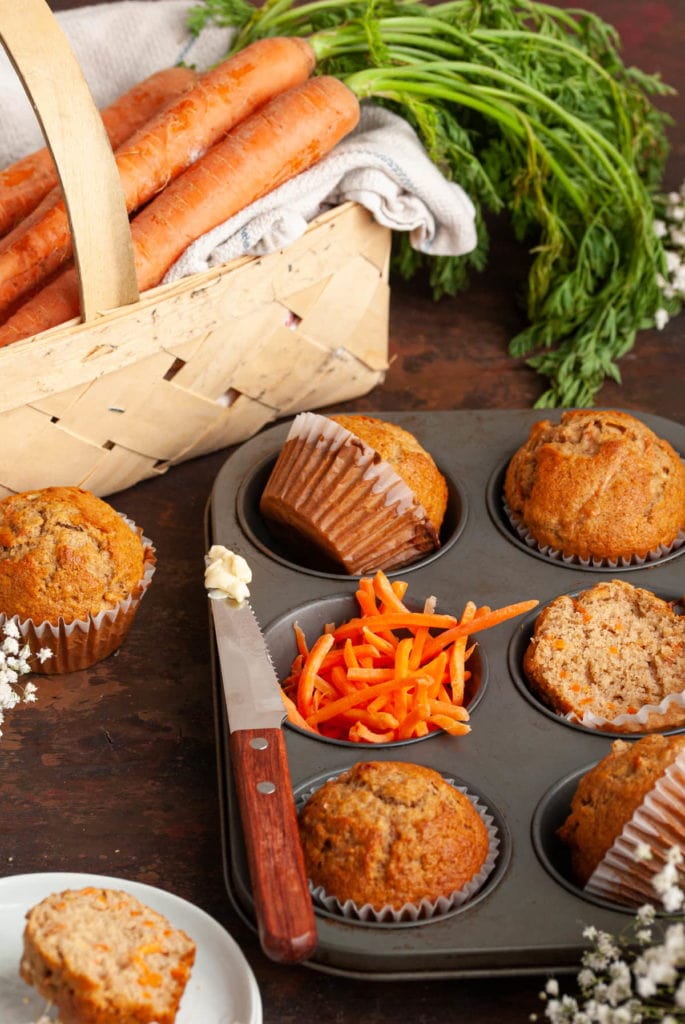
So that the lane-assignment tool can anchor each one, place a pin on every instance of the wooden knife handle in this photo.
(283, 904)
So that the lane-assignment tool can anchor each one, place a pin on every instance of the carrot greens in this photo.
(532, 110)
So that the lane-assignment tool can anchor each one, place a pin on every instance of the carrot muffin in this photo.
(388, 833)
(103, 957)
(68, 557)
(608, 652)
(360, 492)
(597, 486)
(609, 799)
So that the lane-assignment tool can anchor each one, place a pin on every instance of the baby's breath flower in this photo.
(620, 986)
(14, 663)
(646, 914)
(11, 629)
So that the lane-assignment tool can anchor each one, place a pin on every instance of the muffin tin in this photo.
(520, 760)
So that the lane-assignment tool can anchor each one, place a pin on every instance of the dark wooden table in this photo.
(113, 769)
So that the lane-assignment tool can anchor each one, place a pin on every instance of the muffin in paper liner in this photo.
(554, 555)
(83, 642)
(330, 489)
(425, 910)
(657, 671)
(623, 876)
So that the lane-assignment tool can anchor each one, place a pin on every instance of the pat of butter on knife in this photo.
(226, 574)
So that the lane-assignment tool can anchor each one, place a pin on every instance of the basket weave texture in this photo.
(201, 364)
(141, 382)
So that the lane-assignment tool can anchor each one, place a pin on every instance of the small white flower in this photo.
(643, 851)
(661, 318)
(11, 628)
(43, 654)
(646, 914)
(552, 987)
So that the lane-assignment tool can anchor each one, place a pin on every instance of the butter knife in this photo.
(255, 712)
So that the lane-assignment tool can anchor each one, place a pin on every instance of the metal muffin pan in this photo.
(522, 761)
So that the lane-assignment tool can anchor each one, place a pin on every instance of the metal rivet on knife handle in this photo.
(266, 787)
(259, 743)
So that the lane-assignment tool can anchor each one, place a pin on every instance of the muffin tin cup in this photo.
(262, 536)
(623, 880)
(338, 608)
(81, 643)
(625, 726)
(426, 911)
(354, 501)
(529, 915)
(512, 528)
(624, 875)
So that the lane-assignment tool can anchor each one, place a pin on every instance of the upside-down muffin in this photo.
(360, 492)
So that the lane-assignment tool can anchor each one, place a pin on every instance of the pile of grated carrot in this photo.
(389, 674)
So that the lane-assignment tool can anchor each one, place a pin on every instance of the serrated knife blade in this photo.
(259, 765)
(251, 689)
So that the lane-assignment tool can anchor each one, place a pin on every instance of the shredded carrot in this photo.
(389, 674)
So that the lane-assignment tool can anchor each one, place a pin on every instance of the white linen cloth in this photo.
(381, 165)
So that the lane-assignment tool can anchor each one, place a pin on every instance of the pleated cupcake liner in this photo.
(648, 718)
(362, 513)
(81, 643)
(623, 875)
(634, 561)
(425, 910)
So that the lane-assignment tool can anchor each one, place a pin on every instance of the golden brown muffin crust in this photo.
(597, 485)
(64, 553)
(608, 795)
(408, 458)
(390, 833)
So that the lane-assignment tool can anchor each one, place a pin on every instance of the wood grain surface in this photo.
(113, 769)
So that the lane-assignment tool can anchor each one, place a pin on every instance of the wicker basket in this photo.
(144, 382)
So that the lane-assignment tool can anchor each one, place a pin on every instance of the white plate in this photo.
(222, 988)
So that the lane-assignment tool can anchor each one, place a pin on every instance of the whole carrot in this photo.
(164, 147)
(286, 136)
(27, 181)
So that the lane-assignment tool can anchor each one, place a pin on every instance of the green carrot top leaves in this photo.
(531, 109)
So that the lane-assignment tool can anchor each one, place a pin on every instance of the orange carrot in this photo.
(25, 183)
(400, 688)
(164, 147)
(479, 622)
(283, 138)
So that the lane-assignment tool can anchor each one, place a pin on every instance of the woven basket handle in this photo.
(74, 132)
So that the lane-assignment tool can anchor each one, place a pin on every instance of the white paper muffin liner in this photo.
(356, 503)
(426, 910)
(645, 719)
(659, 823)
(555, 555)
(83, 642)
